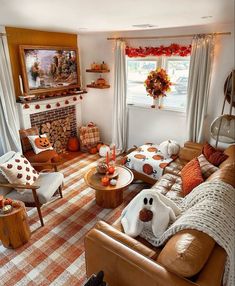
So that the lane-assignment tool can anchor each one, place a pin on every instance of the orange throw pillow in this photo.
(214, 156)
(191, 176)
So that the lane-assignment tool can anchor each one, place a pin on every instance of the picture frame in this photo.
(49, 68)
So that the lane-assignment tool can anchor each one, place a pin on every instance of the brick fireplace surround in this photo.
(32, 116)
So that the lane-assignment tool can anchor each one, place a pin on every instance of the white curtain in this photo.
(9, 122)
(198, 86)
(119, 136)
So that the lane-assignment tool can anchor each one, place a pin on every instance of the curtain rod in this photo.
(168, 37)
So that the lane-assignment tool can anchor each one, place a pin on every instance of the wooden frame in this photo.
(27, 89)
(34, 188)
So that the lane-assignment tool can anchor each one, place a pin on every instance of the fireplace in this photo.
(58, 118)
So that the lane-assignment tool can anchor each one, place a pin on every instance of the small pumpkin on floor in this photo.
(93, 150)
(73, 144)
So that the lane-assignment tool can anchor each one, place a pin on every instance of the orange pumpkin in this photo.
(152, 149)
(147, 169)
(42, 142)
(98, 146)
(93, 150)
(163, 165)
(73, 144)
(157, 157)
(140, 156)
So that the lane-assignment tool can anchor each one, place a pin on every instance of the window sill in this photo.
(179, 111)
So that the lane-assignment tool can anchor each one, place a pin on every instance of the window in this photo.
(138, 69)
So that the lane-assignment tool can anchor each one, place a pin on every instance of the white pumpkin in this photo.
(103, 150)
(169, 148)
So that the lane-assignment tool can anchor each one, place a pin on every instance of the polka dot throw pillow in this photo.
(18, 170)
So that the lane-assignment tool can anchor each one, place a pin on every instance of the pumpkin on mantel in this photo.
(73, 144)
(169, 148)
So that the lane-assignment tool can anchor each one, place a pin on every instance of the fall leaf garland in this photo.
(172, 50)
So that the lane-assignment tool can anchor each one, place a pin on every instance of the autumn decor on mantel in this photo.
(157, 85)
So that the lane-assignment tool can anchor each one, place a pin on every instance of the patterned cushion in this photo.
(89, 136)
(206, 167)
(191, 176)
(18, 170)
(40, 143)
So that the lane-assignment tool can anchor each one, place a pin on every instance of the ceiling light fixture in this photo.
(206, 17)
(144, 26)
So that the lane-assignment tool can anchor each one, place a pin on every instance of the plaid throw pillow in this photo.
(206, 167)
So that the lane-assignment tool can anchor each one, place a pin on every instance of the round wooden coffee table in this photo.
(111, 196)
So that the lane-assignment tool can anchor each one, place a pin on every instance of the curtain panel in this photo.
(9, 122)
(119, 135)
(202, 54)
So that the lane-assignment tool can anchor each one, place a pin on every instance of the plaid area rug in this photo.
(55, 253)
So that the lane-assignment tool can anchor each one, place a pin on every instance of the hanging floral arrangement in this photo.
(157, 83)
(172, 50)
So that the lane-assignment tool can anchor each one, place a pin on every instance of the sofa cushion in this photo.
(225, 174)
(191, 176)
(171, 186)
(48, 182)
(206, 167)
(230, 151)
(186, 252)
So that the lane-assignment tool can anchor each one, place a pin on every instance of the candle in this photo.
(107, 158)
(21, 85)
(114, 153)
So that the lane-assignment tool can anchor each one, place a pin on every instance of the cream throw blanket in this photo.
(209, 208)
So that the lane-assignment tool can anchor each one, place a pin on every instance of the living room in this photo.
(117, 132)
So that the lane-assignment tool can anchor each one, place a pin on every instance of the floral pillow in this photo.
(18, 170)
(40, 143)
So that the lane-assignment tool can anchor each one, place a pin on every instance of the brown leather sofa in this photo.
(190, 257)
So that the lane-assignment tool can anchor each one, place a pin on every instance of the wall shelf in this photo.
(97, 71)
(98, 86)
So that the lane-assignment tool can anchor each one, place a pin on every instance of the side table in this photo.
(110, 196)
(14, 228)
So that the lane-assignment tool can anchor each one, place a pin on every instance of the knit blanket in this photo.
(209, 208)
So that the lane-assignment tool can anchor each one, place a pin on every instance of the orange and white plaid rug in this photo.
(55, 253)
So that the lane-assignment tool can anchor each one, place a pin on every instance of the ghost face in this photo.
(146, 214)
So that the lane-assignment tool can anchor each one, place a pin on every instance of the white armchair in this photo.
(37, 194)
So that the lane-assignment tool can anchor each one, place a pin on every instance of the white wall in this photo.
(147, 124)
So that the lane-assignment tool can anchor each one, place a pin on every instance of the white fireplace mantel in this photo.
(25, 112)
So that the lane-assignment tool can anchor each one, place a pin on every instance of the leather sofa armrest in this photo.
(215, 265)
(125, 239)
(124, 266)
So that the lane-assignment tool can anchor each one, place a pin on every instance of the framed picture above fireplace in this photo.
(47, 68)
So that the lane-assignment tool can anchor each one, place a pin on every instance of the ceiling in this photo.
(77, 16)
